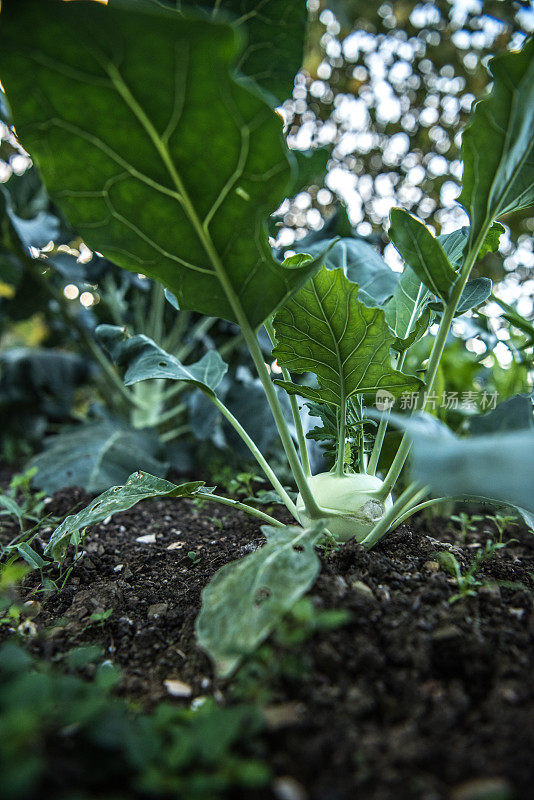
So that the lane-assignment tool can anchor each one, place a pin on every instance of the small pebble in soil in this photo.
(157, 610)
(287, 788)
(483, 789)
(149, 538)
(177, 688)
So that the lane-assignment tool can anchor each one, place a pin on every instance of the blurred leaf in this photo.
(474, 294)
(454, 243)
(138, 487)
(422, 252)
(514, 413)
(361, 263)
(496, 466)
(42, 378)
(145, 360)
(404, 308)
(326, 330)
(96, 455)
(156, 200)
(246, 599)
(498, 145)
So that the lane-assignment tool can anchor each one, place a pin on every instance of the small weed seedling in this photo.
(467, 581)
(466, 522)
(162, 182)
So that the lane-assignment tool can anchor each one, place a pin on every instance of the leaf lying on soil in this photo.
(245, 599)
(139, 486)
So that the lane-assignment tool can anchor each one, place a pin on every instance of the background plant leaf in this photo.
(454, 243)
(139, 486)
(360, 262)
(514, 413)
(96, 455)
(404, 308)
(326, 330)
(186, 162)
(145, 360)
(498, 145)
(246, 599)
(422, 252)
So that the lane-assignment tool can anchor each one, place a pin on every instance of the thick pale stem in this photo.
(198, 331)
(171, 413)
(434, 360)
(177, 331)
(169, 436)
(256, 452)
(377, 446)
(301, 438)
(238, 506)
(155, 317)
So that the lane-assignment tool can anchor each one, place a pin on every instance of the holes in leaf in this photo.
(298, 548)
(262, 595)
(162, 364)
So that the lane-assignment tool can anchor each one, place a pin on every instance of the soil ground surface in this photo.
(411, 698)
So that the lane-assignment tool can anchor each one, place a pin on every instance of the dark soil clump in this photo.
(412, 698)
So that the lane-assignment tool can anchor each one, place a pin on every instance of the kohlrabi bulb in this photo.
(355, 496)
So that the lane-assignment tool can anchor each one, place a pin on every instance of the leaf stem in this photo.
(239, 506)
(341, 434)
(297, 420)
(434, 360)
(256, 452)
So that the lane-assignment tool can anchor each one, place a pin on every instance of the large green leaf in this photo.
(274, 32)
(138, 487)
(95, 456)
(422, 252)
(326, 330)
(246, 599)
(498, 143)
(145, 360)
(172, 164)
(361, 263)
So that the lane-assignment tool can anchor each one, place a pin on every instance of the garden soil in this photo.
(411, 698)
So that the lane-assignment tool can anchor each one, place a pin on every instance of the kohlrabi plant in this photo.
(155, 131)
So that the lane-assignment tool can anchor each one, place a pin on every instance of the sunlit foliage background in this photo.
(387, 88)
